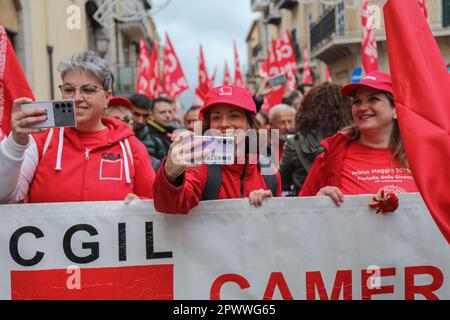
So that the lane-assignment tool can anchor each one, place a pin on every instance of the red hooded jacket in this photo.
(70, 172)
(326, 169)
(181, 199)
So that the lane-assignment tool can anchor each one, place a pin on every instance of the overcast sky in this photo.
(212, 23)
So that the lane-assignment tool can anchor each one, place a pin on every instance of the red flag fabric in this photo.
(226, 76)
(144, 70)
(369, 52)
(276, 96)
(423, 7)
(328, 74)
(199, 98)
(238, 77)
(264, 68)
(155, 80)
(203, 80)
(212, 80)
(13, 83)
(174, 80)
(307, 75)
(422, 98)
(286, 59)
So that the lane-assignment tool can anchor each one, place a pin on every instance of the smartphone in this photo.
(60, 113)
(278, 80)
(221, 149)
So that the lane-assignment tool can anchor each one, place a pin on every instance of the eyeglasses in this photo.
(87, 90)
(128, 121)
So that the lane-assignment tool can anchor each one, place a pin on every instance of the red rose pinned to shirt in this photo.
(384, 203)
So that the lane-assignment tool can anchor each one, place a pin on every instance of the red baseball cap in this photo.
(120, 101)
(232, 95)
(375, 79)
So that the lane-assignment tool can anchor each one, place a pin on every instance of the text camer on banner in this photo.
(295, 248)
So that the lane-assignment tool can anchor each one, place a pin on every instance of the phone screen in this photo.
(278, 80)
(221, 149)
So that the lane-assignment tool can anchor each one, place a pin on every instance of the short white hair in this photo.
(279, 108)
(122, 109)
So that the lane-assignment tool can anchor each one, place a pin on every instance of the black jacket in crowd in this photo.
(157, 139)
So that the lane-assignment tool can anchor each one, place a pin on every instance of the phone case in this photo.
(60, 113)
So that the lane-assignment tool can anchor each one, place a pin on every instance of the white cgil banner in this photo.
(291, 248)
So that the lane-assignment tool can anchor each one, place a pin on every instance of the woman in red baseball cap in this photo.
(181, 185)
(367, 157)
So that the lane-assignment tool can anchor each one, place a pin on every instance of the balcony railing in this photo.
(324, 29)
(126, 76)
(286, 4)
(271, 16)
(256, 50)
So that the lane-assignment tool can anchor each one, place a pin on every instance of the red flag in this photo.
(238, 77)
(212, 80)
(155, 80)
(422, 99)
(13, 83)
(174, 81)
(203, 81)
(199, 98)
(286, 59)
(423, 7)
(144, 70)
(226, 76)
(328, 74)
(264, 68)
(369, 53)
(276, 96)
(307, 75)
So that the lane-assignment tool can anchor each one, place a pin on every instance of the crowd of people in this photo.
(333, 141)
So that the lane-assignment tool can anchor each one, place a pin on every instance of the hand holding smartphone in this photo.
(220, 150)
(277, 81)
(59, 113)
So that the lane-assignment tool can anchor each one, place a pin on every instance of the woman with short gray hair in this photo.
(98, 160)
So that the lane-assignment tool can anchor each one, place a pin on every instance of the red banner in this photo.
(369, 53)
(13, 83)
(212, 80)
(174, 80)
(144, 70)
(423, 7)
(285, 55)
(238, 77)
(155, 81)
(203, 80)
(226, 76)
(421, 80)
(273, 69)
(307, 75)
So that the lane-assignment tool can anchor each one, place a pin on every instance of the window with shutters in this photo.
(446, 13)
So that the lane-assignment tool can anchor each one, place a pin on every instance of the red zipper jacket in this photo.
(181, 199)
(327, 168)
(106, 172)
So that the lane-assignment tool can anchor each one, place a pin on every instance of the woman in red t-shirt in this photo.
(368, 157)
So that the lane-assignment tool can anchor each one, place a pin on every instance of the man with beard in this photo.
(142, 107)
(160, 128)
